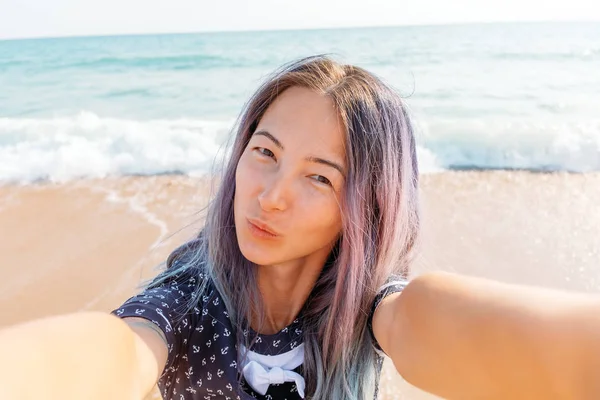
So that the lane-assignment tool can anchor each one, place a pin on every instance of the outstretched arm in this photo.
(469, 338)
(88, 355)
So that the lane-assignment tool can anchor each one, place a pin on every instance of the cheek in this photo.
(247, 187)
(240, 187)
(321, 216)
(243, 178)
(239, 171)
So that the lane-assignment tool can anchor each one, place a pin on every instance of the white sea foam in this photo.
(60, 149)
(86, 145)
(552, 145)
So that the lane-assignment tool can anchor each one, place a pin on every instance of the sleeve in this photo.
(394, 285)
(167, 305)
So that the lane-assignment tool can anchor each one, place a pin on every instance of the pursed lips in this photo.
(261, 226)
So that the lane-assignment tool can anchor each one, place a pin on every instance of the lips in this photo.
(261, 227)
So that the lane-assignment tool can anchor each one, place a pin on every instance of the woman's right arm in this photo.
(90, 355)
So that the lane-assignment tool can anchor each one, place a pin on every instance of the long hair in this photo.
(380, 226)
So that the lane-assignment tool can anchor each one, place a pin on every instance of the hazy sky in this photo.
(39, 18)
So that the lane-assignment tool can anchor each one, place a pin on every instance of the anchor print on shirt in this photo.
(202, 345)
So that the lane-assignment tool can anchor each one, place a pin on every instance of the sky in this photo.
(51, 18)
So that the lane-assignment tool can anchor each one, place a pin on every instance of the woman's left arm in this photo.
(469, 338)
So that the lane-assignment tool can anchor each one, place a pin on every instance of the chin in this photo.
(256, 255)
(254, 252)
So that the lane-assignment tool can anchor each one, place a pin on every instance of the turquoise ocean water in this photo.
(488, 96)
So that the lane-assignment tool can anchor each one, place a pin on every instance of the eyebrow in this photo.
(327, 162)
(317, 160)
(273, 138)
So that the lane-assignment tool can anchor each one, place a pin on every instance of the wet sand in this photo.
(86, 245)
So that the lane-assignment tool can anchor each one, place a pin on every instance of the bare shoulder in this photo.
(383, 321)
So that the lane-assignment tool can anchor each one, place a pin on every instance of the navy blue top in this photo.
(202, 348)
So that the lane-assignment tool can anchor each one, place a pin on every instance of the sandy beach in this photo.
(86, 245)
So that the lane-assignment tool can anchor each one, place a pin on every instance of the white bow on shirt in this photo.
(261, 371)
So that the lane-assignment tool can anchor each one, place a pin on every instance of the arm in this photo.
(470, 338)
(88, 355)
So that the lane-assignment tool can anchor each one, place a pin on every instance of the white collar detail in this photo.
(261, 371)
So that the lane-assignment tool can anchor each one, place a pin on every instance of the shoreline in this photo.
(175, 175)
(520, 227)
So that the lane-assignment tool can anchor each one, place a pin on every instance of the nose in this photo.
(275, 194)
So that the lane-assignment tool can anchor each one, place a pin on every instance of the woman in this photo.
(295, 287)
(318, 141)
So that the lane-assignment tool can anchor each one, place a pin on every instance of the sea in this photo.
(482, 96)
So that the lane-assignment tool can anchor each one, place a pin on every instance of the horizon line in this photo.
(342, 27)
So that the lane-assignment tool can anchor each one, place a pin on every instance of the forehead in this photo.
(305, 121)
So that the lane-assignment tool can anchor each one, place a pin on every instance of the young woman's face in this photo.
(289, 180)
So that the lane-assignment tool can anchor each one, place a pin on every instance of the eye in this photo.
(265, 152)
(322, 179)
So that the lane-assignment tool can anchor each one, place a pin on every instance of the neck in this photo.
(284, 289)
